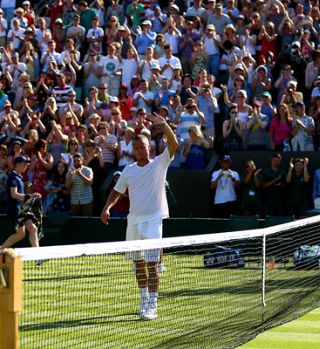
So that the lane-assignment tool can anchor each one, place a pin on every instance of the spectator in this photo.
(257, 129)
(251, 198)
(109, 144)
(93, 158)
(195, 149)
(125, 150)
(303, 128)
(144, 98)
(145, 38)
(280, 129)
(190, 115)
(273, 183)
(225, 181)
(233, 131)
(298, 178)
(79, 182)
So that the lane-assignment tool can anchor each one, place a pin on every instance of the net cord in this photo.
(78, 250)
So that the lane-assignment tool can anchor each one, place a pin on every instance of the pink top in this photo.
(280, 130)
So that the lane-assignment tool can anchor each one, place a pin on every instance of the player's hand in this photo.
(105, 217)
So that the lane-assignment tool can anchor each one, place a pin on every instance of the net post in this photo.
(10, 299)
(264, 270)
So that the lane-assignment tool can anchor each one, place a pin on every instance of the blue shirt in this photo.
(14, 181)
(316, 185)
(144, 41)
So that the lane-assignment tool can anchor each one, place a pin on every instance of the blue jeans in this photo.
(213, 64)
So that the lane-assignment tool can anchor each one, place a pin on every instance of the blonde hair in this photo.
(196, 130)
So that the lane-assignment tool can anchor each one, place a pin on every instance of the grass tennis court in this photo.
(91, 302)
(303, 332)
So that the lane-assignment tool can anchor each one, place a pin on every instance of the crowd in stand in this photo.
(78, 80)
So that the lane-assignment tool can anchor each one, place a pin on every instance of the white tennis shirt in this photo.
(146, 186)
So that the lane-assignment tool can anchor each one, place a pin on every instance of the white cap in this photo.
(296, 43)
(114, 99)
(239, 66)
(147, 22)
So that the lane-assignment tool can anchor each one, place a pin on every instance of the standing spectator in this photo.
(108, 144)
(110, 69)
(144, 98)
(219, 19)
(145, 38)
(273, 180)
(187, 42)
(3, 28)
(86, 15)
(93, 158)
(303, 128)
(257, 129)
(125, 149)
(195, 149)
(168, 62)
(16, 34)
(225, 181)
(298, 178)
(251, 200)
(41, 163)
(280, 129)
(190, 115)
(79, 182)
(212, 42)
(233, 131)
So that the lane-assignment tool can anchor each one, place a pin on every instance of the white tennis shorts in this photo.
(143, 231)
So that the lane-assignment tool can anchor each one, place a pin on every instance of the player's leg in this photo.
(142, 279)
(33, 233)
(14, 238)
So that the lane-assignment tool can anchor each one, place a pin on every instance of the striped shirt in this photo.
(81, 193)
(187, 120)
(108, 155)
(61, 94)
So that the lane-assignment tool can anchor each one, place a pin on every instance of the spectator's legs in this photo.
(14, 238)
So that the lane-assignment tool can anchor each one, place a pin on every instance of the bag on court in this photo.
(307, 257)
(222, 256)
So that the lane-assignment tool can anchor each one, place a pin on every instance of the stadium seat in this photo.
(276, 220)
(243, 222)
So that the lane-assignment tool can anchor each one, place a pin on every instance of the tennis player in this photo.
(145, 181)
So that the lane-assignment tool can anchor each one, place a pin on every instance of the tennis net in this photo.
(217, 290)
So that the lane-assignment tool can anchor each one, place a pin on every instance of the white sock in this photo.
(144, 293)
(153, 298)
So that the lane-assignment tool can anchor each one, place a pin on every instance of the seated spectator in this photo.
(195, 149)
(251, 198)
(121, 208)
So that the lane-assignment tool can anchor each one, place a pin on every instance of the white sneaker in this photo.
(150, 314)
(161, 268)
(143, 307)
